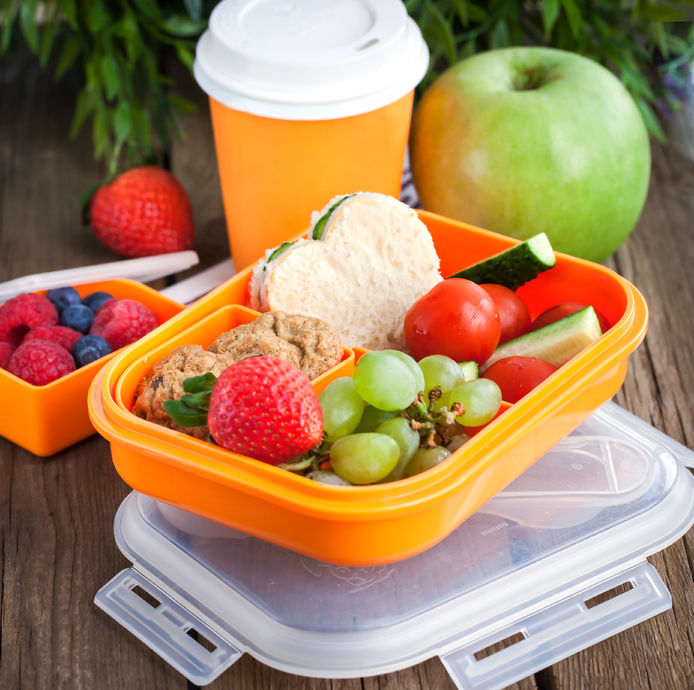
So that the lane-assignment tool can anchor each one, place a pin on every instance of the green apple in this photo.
(528, 140)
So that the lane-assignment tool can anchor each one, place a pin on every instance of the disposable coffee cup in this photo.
(309, 99)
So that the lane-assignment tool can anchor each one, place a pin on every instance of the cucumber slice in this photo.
(556, 343)
(470, 369)
(515, 266)
(319, 227)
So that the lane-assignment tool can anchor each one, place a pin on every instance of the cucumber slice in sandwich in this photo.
(555, 343)
(514, 266)
(374, 260)
(319, 227)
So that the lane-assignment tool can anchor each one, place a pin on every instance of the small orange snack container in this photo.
(367, 525)
(305, 98)
(47, 419)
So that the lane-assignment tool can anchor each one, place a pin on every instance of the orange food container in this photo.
(367, 525)
(47, 419)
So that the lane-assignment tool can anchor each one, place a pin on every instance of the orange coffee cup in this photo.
(308, 100)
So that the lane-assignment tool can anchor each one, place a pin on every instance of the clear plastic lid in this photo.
(309, 59)
(596, 505)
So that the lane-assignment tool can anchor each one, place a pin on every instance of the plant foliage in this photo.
(116, 50)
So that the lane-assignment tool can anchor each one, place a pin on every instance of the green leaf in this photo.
(97, 16)
(110, 75)
(8, 19)
(100, 131)
(149, 8)
(194, 9)
(651, 121)
(84, 106)
(182, 105)
(183, 415)
(122, 122)
(71, 49)
(498, 37)
(180, 25)
(197, 384)
(68, 8)
(439, 29)
(573, 14)
(550, 12)
(185, 56)
(28, 23)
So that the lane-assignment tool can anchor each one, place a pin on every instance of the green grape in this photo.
(413, 366)
(441, 371)
(327, 477)
(385, 381)
(371, 418)
(342, 408)
(364, 458)
(406, 437)
(424, 459)
(481, 399)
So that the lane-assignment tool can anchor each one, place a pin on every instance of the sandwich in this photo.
(364, 261)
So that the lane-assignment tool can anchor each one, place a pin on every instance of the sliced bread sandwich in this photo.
(365, 260)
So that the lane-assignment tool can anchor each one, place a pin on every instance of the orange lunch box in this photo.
(367, 525)
(47, 419)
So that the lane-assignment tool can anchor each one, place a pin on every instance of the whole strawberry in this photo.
(263, 407)
(142, 212)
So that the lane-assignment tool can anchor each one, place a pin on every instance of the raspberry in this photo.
(40, 361)
(6, 349)
(67, 337)
(266, 408)
(122, 321)
(24, 312)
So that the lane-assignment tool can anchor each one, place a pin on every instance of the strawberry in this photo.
(142, 212)
(261, 406)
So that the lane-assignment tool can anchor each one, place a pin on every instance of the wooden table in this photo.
(56, 514)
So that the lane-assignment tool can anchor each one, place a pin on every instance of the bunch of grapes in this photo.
(396, 417)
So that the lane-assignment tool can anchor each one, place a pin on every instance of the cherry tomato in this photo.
(456, 318)
(513, 314)
(564, 309)
(518, 375)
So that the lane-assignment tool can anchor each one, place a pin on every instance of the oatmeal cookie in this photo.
(308, 343)
(165, 382)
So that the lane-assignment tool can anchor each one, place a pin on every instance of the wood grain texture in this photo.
(56, 514)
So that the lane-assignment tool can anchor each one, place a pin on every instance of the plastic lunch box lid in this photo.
(309, 59)
(579, 522)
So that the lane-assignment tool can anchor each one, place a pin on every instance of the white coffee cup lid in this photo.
(309, 59)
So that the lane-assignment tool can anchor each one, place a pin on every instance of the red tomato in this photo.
(456, 318)
(513, 314)
(518, 375)
(561, 310)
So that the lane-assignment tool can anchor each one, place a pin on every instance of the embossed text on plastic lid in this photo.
(309, 59)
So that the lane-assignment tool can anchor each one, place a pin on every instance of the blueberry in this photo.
(77, 317)
(63, 297)
(88, 348)
(97, 299)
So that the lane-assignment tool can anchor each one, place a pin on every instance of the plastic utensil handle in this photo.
(188, 290)
(558, 631)
(144, 269)
(166, 627)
